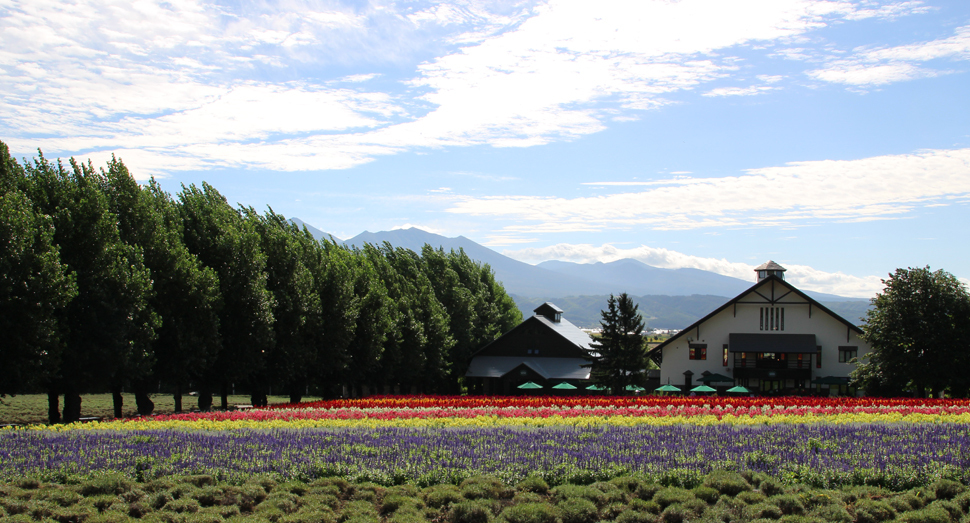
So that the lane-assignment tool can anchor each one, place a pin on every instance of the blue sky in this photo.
(830, 136)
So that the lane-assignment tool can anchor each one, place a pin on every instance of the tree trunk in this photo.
(72, 405)
(118, 400)
(224, 392)
(143, 401)
(177, 397)
(205, 398)
(53, 406)
(297, 387)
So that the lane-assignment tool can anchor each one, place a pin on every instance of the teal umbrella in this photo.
(740, 389)
(715, 378)
(668, 388)
(596, 387)
(565, 386)
(530, 385)
(635, 388)
(703, 388)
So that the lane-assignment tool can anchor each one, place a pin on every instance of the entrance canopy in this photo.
(789, 343)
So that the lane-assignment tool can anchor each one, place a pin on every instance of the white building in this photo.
(772, 337)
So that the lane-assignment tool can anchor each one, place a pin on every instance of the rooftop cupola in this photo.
(549, 311)
(769, 268)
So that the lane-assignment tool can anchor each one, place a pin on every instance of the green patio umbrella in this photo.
(739, 389)
(703, 388)
(530, 385)
(635, 388)
(596, 387)
(565, 386)
(668, 388)
(715, 378)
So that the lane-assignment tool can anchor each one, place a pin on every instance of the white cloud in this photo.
(740, 91)
(880, 66)
(803, 276)
(797, 193)
(189, 85)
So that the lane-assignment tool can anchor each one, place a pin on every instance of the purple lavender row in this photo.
(900, 455)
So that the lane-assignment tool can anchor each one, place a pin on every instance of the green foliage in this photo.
(671, 495)
(483, 487)
(918, 329)
(438, 496)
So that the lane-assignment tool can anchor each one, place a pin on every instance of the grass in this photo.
(32, 408)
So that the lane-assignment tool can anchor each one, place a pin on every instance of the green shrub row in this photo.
(720, 497)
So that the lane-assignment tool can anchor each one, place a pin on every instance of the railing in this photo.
(752, 362)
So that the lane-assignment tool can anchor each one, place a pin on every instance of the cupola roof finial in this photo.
(770, 268)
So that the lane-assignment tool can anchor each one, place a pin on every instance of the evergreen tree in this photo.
(621, 356)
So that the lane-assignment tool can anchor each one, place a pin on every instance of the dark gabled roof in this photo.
(769, 265)
(548, 305)
(659, 348)
(563, 328)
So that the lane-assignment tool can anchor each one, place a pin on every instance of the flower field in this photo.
(894, 443)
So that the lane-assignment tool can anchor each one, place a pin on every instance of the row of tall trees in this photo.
(107, 284)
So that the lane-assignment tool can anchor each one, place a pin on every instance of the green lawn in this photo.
(32, 408)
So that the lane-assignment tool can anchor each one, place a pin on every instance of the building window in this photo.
(724, 358)
(847, 353)
(772, 319)
(818, 357)
(698, 352)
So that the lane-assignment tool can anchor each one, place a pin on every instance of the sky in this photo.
(832, 137)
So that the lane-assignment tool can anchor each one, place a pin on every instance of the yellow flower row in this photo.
(495, 421)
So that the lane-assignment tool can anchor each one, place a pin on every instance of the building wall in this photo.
(829, 332)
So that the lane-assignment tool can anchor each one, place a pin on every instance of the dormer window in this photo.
(770, 268)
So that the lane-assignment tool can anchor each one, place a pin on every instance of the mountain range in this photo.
(668, 298)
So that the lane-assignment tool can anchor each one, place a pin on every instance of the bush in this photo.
(533, 484)
(671, 495)
(706, 494)
(439, 496)
(770, 487)
(963, 501)
(60, 496)
(612, 510)
(873, 511)
(950, 507)
(483, 487)
(762, 511)
(203, 517)
(932, 514)
(627, 484)
(632, 516)
(530, 513)
(393, 502)
(645, 506)
(946, 489)
(470, 512)
(407, 515)
(833, 513)
(646, 491)
(751, 497)
(201, 480)
(118, 517)
(727, 482)
(309, 516)
(182, 505)
(358, 509)
(578, 510)
(675, 513)
(74, 514)
(223, 511)
(788, 503)
(100, 502)
(110, 483)
(593, 495)
(527, 497)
